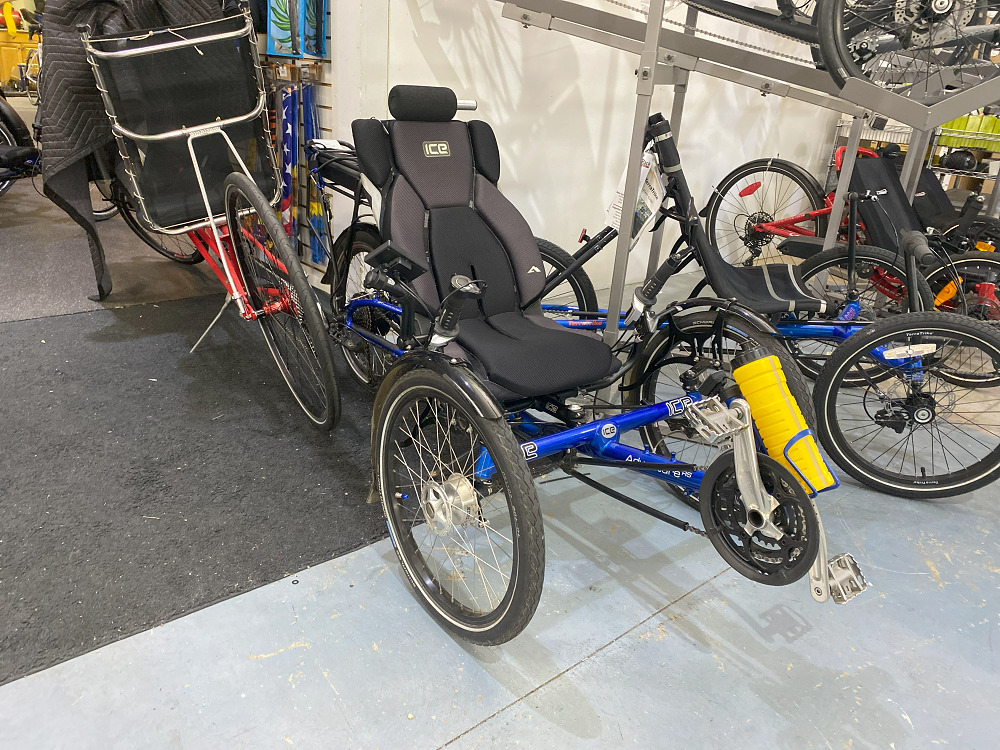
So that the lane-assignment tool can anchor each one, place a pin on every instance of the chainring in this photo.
(761, 558)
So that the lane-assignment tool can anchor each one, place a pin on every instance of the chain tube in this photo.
(727, 39)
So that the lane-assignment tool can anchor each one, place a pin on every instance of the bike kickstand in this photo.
(229, 298)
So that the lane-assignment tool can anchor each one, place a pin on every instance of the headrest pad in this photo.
(423, 103)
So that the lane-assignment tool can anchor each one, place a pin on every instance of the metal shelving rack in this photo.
(668, 57)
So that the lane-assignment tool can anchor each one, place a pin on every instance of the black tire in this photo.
(914, 412)
(658, 370)
(6, 139)
(177, 247)
(784, 190)
(774, 561)
(881, 283)
(577, 290)
(102, 201)
(918, 71)
(421, 512)
(967, 297)
(366, 362)
(290, 316)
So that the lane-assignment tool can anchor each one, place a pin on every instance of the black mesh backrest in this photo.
(441, 204)
(892, 212)
(931, 202)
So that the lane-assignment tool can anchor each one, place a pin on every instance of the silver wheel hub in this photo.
(449, 503)
(923, 415)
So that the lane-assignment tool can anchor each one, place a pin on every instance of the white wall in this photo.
(562, 108)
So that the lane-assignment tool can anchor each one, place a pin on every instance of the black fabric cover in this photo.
(883, 219)
(371, 142)
(74, 123)
(485, 150)
(422, 103)
(533, 360)
(932, 204)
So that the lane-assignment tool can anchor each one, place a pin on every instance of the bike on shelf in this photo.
(918, 49)
(482, 390)
(200, 165)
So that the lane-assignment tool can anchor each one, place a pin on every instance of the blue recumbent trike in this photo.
(481, 390)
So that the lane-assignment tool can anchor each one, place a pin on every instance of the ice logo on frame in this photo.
(437, 148)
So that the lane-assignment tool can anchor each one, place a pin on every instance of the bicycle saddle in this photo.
(440, 205)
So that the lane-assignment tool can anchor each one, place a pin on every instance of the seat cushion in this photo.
(530, 359)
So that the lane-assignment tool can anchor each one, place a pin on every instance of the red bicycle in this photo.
(187, 108)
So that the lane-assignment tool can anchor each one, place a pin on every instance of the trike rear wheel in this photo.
(284, 302)
(469, 539)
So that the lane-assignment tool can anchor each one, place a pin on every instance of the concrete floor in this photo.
(643, 638)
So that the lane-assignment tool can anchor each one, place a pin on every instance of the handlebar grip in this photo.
(666, 149)
(914, 243)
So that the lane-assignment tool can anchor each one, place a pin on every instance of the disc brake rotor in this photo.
(922, 19)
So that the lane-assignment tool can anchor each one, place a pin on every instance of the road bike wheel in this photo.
(576, 291)
(760, 191)
(31, 66)
(472, 545)
(286, 307)
(922, 50)
(656, 377)
(966, 285)
(177, 247)
(102, 201)
(930, 425)
(881, 276)
(6, 139)
(366, 362)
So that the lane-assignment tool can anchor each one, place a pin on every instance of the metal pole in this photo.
(644, 94)
(681, 77)
(844, 182)
(919, 141)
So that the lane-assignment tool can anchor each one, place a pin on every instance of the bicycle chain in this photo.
(729, 40)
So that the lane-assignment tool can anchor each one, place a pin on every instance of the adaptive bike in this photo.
(482, 390)
(200, 165)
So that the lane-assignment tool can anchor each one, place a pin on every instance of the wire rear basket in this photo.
(187, 109)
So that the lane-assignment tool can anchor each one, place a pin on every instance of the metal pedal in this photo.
(846, 578)
(713, 420)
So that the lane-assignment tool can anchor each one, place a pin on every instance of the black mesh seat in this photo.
(437, 178)
(883, 219)
(769, 289)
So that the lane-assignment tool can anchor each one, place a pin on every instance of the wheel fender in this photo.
(15, 124)
(466, 385)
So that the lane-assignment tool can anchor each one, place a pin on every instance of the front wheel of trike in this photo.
(283, 300)
(461, 508)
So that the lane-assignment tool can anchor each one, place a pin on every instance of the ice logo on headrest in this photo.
(437, 148)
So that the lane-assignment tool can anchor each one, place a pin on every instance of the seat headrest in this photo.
(423, 103)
